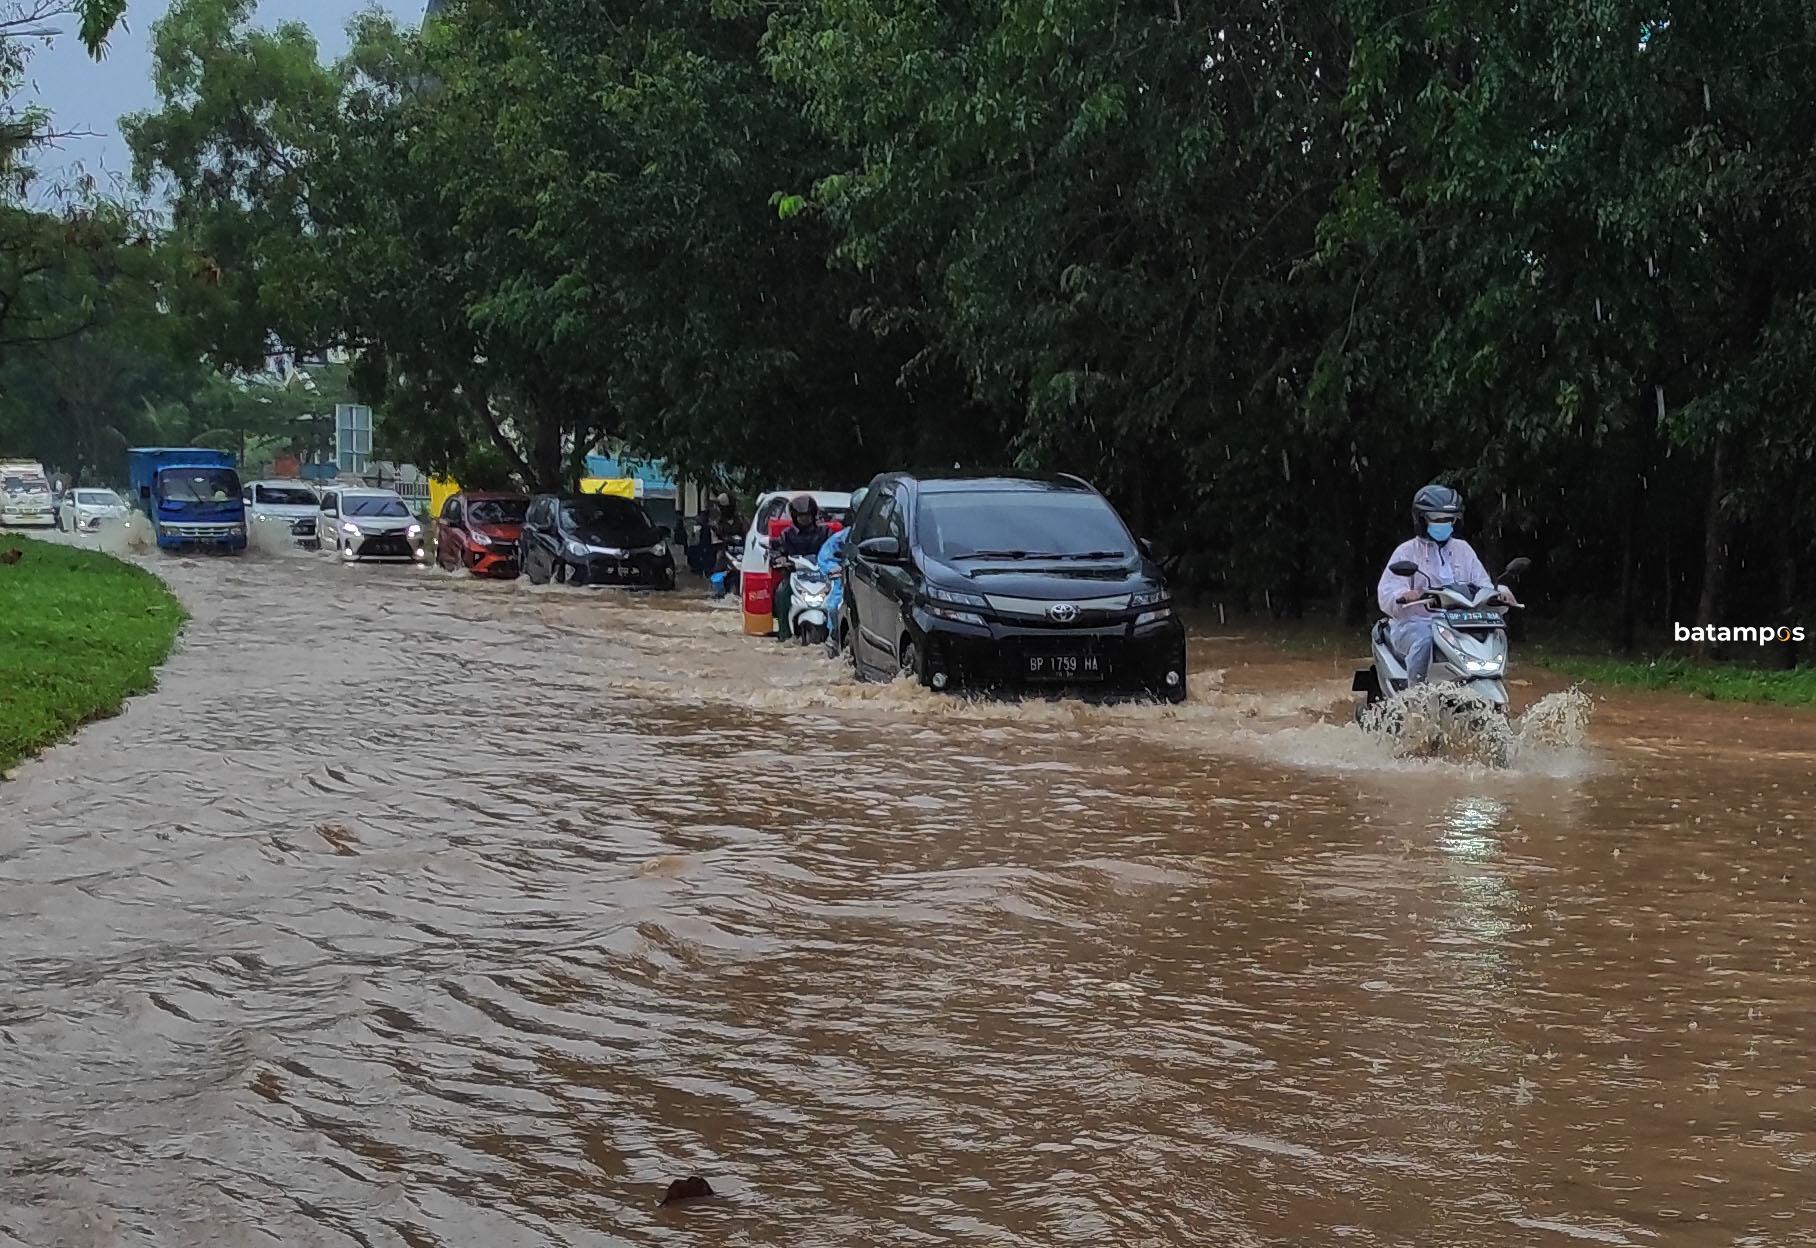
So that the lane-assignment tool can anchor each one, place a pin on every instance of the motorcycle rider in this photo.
(802, 539)
(719, 527)
(829, 568)
(1443, 559)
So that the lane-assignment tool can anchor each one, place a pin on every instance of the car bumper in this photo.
(201, 536)
(632, 569)
(385, 546)
(1117, 657)
(496, 561)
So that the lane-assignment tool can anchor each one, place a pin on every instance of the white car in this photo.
(361, 523)
(84, 510)
(753, 566)
(280, 504)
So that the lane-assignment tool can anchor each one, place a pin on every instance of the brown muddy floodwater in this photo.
(415, 912)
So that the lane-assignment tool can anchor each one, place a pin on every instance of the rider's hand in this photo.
(1409, 597)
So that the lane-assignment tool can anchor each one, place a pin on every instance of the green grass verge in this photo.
(1719, 683)
(80, 632)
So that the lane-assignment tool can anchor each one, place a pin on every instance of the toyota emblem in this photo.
(1062, 612)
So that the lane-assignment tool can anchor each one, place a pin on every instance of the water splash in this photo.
(1443, 721)
(1458, 724)
(1557, 723)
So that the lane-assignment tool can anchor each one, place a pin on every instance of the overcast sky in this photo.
(84, 95)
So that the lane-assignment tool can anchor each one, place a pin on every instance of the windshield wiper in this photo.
(1009, 554)
(1100, 555)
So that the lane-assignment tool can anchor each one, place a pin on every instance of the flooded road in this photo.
(416, 912)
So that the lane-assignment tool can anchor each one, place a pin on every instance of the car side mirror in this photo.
(1147, 547)
(1403, 567)
(881, 549)
(1516, 568)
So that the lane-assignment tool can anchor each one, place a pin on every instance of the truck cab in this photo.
(191, 496)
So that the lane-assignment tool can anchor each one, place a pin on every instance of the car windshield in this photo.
(27, 485)
(98, 498)
(605, 517)
(285, 495)
(498, 510)
(1022, 524)
(373, 505)
(198, 485)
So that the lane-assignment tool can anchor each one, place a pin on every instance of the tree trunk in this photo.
(545, 450)
(1630, 523)
(1358, 560)
(1716, 528)
(1785, 556)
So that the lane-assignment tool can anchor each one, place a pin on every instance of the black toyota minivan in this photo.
(1006, 581)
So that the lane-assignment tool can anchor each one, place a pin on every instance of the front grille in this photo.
(303, 528)
(385, 544)
(1035, 611)
(207, 532)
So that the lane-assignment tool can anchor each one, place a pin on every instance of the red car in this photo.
(478, 531)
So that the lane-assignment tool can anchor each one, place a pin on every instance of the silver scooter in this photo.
(1468, 642)
(809, 589)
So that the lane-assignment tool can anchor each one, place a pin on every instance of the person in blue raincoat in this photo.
(829, 568)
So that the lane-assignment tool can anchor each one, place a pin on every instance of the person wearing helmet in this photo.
(831, 569)
(719, 526)
(802, 539)
(1443, 559)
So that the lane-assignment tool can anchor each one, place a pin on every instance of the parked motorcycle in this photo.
(1468, 642)
(809, 589)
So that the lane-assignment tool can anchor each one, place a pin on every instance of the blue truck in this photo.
(190, 495)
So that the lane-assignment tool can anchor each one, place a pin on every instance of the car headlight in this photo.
(576, 550)
(1151, 598)
(1153, 617)
(479, 539)
(659, 550)
(351, 530)
(237, 530)
(957, 599)
(416, 530)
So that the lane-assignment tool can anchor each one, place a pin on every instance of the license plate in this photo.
(1475, 617)
(1065, 667)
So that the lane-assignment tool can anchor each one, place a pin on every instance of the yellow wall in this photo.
(623, 487)
(440, 490)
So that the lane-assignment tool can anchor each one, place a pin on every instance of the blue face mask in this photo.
(1440, 533)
